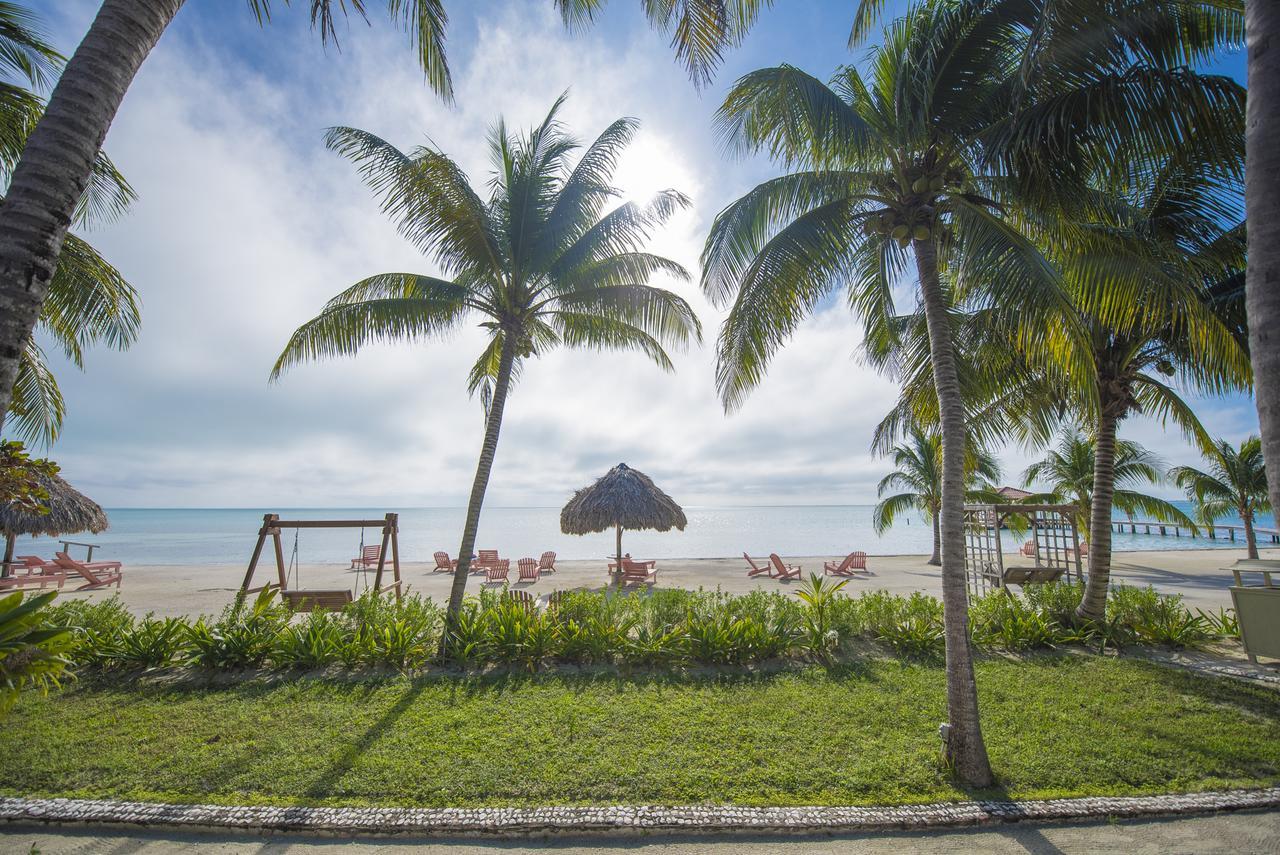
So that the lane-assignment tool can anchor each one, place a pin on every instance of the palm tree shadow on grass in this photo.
(340, 765)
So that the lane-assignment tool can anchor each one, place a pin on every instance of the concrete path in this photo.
(1242, 833)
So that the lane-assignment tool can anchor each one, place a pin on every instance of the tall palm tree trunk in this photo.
(55, 166)
(1093, 605)
(964, 746)
(1250, 536)
(1262, 210)
(493, 425)
(936, 558)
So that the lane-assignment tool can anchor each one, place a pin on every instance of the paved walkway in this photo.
(1244, 833)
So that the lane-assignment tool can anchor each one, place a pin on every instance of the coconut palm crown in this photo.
(1236, 482)
(1068, 471)
(539, 262)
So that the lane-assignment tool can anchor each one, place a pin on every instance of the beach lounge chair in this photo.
(99, 574)
(32, 570)
(638, 572)
(367, 558)
(547, 563)
(497, 572)
(755, 569)
(529, 570)
(784, 571)
(852, 562)
(445, 563)
(1028, 549)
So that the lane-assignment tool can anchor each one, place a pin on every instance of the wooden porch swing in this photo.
(333, 599)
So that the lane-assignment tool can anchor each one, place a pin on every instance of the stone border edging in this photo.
(619, 819)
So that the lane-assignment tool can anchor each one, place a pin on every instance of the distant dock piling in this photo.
(1211, 531)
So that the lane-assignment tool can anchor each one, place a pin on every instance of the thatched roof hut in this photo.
(70, 511)
(622, 498)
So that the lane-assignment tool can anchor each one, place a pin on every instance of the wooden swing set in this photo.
(333, 599)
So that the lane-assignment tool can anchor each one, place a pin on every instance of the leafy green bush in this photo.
(33, 647)
(650, 628)
(150, 643)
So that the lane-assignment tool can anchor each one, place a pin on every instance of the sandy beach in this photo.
(194, 589)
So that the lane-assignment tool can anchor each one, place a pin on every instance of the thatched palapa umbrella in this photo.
(622, 498)
(70, 511)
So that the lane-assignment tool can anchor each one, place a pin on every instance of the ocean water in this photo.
(227, 535)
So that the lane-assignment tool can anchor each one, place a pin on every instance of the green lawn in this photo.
(1055, 725)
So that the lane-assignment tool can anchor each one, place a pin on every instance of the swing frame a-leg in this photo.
(272, 527)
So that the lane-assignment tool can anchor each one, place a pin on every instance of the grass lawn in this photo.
(1056, 726)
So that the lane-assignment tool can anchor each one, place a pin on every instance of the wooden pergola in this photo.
(1051, 554)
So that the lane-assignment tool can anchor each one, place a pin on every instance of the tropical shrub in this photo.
(33, 648)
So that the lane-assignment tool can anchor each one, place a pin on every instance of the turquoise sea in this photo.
(227, 535)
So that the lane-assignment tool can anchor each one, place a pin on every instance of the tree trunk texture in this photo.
(1262, 210)
(936, 558)
(493, 425)
(1093, 606)
(55, 166)
(964, 745)
(1250, 536)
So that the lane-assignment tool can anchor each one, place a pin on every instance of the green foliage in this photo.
(659, 628)
(20, 479)
(33, 648)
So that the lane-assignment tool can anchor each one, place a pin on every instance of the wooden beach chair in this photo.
(497, 572)
(547, 563)
(528, 570)
(445, 563)
(638, 573)
(853, 562)
(523, 598)
(784, 571)
(99, 574)
(367, 558)
(754, 569)
(32, 570)
(1028, 549)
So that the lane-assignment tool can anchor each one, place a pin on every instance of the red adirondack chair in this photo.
(547, 563)
(784, 571)
(853, 561)
(497, 572)
(638, 573)
(529, 570)
(368, 557)
(755, 569)
(445, 563)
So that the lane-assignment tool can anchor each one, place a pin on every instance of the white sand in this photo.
(193, 589)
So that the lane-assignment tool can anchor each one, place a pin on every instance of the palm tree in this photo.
(919, 474)
(1069, 472)
(539, 261)
(1151, 273)
(1236, 482)
(890, 170)
(89, 301)
(1262, 207)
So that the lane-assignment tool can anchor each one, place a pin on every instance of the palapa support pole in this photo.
(619, 548)
(6, 570)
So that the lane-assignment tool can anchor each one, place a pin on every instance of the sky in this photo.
(245, 224)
